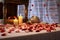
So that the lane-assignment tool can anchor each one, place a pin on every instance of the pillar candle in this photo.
(16, 21)
(20, 19)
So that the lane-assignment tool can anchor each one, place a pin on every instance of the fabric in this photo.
(46, 10)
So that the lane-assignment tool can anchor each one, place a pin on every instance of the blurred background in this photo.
(11, 8)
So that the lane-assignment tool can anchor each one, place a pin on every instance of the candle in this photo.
(20, 19)
(16, 21)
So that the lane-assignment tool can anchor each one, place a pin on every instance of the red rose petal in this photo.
(4, 34)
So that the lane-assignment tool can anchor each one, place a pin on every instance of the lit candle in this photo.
(20, 19)
(16, 21)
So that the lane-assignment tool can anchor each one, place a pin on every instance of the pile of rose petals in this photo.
(36, 27)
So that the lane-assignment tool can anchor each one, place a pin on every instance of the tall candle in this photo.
(16, 21)
(20, 19)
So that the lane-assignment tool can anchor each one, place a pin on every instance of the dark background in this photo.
(1, 10)
(11, 9)
(11, 6)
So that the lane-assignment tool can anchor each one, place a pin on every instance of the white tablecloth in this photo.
(23, 35)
